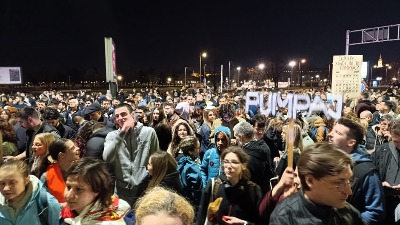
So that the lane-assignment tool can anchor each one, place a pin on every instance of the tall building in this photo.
(380, 64)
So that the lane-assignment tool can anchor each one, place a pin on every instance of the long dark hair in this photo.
(52, 155)
(163, 164)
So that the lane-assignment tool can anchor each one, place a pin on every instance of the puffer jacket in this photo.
(322, 131)
(33, 204)
(210, 166)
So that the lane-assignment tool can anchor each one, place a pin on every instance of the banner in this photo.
(111, 65)
(10, 75)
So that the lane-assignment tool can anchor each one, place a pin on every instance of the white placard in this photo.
(346, 75)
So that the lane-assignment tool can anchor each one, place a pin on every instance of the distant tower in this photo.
(380, 61)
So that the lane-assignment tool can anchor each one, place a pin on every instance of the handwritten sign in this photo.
(346, 75)
(295, 103)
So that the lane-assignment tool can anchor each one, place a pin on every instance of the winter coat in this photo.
(129, 154)
(190, 177)
(34, 202)
(170, 181)
(296, 209)
(95, 143)
(95, 214)
(370, 137)
(322, 131)
(368, 198)
(260, 163)
(205, 144)
(210, 166)
(241, 201)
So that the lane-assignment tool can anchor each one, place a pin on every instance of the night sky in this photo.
(56, 37)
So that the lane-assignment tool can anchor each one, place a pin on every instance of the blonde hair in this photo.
(160, 200)
(298, 137)
(46, 139)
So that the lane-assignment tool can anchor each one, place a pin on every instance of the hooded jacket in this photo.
(368, 197)
(260, 164)
(190, 178)
(129, 154)
(321, 133)
(28, 210)
(210, 166)
(173, 146)
(95, 143)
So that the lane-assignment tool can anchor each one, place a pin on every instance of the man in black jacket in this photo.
(325, 173)
(260, 163)
(29, 119)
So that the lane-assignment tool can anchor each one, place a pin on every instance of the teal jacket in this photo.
(33, 204)
(210, 166)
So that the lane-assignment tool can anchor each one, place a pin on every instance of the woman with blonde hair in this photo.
(297, 147)
(161, 206)
(209, 116)
(40, 147)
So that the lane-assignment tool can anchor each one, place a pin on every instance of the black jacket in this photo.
(241, 201)
(95, 143)
(296, 209)
(260, 163)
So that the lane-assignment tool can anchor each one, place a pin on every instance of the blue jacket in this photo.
(29, 211)
(205, 144)
(371, 190)
(210, 166)
(190, 179)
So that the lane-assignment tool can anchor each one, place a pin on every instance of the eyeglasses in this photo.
(231, 163)
(340, 185)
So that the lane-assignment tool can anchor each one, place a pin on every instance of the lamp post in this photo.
(317, 77)
(169, 81)
(261, 66)
(202, 55)
(185, 75)
(301, 78)
(292, 64)
(387, 66)
(238, 70)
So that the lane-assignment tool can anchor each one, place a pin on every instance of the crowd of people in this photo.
(197, 157)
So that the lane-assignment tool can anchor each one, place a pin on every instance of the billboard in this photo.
(10, 75)
(346, 75)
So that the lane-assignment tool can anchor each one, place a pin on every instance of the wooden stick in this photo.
(290, 144)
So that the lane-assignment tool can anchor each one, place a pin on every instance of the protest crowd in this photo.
(194, 156)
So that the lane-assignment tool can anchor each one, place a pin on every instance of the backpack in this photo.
(314, 133)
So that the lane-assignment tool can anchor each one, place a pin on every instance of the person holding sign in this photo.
(325, 175)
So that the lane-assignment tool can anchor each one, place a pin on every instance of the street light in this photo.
(261, 66)
(169, 81)
(185, 75)
(387, 66)
(238, 70)
(292, 64)
(202, 55)
(301, 78)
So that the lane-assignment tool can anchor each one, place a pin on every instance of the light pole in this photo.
(169, 81)
(292, 64)
(387, 66)
(301, 78)
(185, 75)
(202, 55)
(204, 79)
(261, 66)
(238, 70)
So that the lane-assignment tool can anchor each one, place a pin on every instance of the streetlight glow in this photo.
(261, 66)
(292, 63)
(204, 54)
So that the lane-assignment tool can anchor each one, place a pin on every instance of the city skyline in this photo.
(60, 37)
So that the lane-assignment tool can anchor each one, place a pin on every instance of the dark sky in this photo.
(51, 35)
